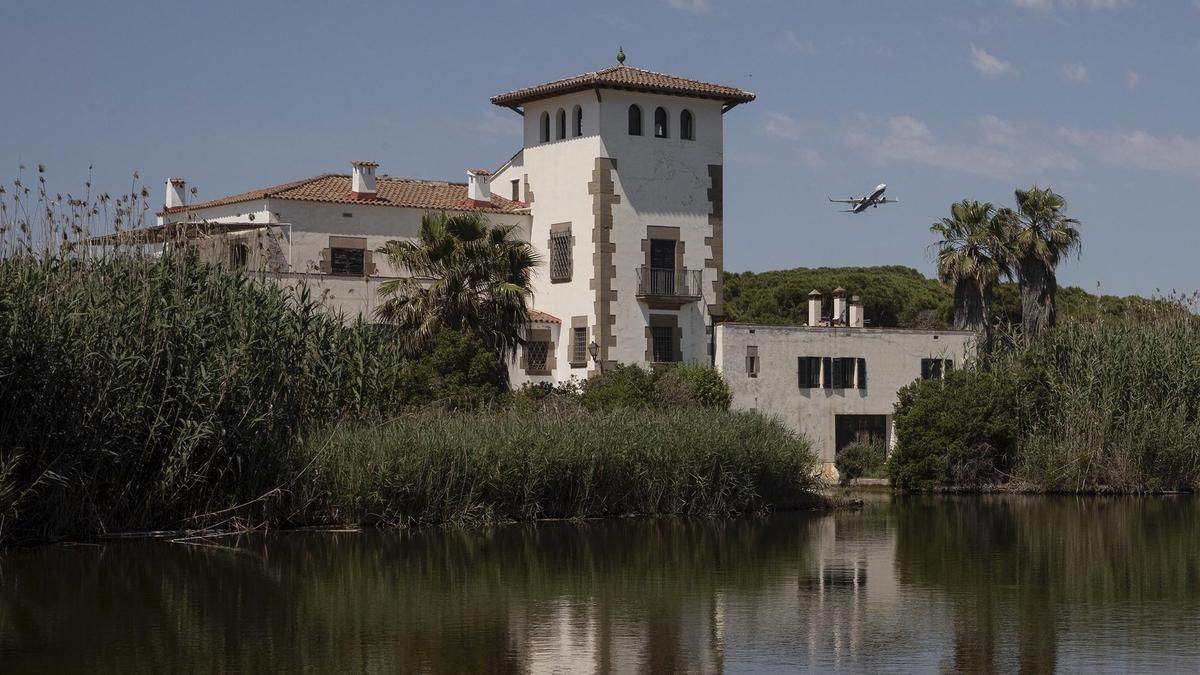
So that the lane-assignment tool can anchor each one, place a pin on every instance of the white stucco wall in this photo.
(893, 360)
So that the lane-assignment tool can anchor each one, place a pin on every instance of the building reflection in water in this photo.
(908, 584)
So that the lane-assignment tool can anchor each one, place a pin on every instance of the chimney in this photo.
(479, 187)
(814, 308)
(856, 312)
(175, 191)
(363, 181)
(839, 306)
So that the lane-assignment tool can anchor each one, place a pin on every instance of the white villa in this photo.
(618, 184)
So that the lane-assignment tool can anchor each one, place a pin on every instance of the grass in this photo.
(505, 465)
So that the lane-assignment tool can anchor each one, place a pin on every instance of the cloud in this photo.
(990, 65)
(780, 125)
(1138, 149)
(1075, 72)
(1132, 79)
(1000, 151)
(496, 123)
(1048, 5)
(795, 44)
(694, 6)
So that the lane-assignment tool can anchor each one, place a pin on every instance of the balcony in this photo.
(670, 287)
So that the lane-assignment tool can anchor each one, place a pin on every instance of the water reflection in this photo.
(911, 584)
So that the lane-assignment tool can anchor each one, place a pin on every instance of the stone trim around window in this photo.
(561, 271)
(359, 243)
(539, 335)
(578, 322)
(664, 321)
(668, 234)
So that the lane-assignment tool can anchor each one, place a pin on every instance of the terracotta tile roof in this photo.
(626, 77)
(335, 188)
(542, 317)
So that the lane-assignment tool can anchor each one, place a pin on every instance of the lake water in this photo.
(907, 584)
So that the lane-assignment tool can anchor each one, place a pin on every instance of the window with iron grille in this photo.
(560, 256)
(579, 346)
(346, 261)
(663, 348)
(535, 355)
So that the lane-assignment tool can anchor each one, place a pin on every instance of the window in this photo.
(935, 369)
(545, 127)
(346, 261)
(660, 123)
(862, 374)
(662, 266)
(561, 127)
(827, 373)
(810, 372)
(536, 352)
(663, 338)
(843, 373)
(635, 121)
(578, 122)
(516, 189)
(850, 428)
(560, 253)
(239, 255)
(752, 361)
(687, 126)
(579, 353)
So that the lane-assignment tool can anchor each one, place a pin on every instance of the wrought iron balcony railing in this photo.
(673, 284)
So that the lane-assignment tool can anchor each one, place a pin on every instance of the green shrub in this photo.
(861, 457)
(619, 386)
(674, 386)
(962, 430)
(688, 385)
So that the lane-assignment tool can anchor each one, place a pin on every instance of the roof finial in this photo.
(621, 55)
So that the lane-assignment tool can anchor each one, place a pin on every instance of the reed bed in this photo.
(1118, 407)
(136, 392)
(507, 465)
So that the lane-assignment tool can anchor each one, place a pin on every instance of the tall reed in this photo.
(433, 467)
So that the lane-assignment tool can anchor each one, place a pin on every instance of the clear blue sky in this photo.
(1099, 99)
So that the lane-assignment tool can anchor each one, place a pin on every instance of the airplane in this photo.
(860, 204)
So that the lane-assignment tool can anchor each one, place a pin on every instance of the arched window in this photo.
(635, 121)
(545, 127)
(578, 116)
(660, 123)
(687, 128)
(561, 127)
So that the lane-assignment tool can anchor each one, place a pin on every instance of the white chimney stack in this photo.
(363, 182)
(814, 308)
(175, 193)
(839, 306)
(479, 186)
(856, 312)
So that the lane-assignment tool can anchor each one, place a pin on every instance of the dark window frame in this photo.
(577, 122)
(635, 120)
(356, 257)
(544, 122)
(687, 125)
(560, 124)
(662, 341)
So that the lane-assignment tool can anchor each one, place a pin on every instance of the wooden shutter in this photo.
(827, 372)
(862, 373)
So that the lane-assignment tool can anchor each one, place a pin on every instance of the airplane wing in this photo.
(852, 200)
(886, 200)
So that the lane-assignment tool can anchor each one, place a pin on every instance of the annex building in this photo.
(619, 185)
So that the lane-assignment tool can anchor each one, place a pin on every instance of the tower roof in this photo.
(629, 78)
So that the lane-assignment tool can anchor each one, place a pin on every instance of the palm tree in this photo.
(971, 258)
(464, 275)
(1045, 235)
